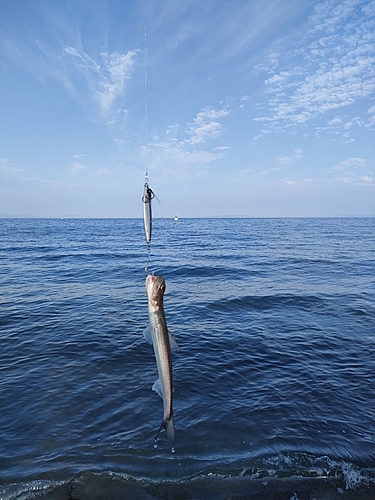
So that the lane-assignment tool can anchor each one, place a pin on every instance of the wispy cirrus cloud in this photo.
(8, 169)
(371, 121)
(333, 68)
(22, 175)
(102, 77)
(107, 77)
(117, 70)
(85, 60)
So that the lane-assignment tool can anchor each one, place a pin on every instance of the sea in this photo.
(274, 381)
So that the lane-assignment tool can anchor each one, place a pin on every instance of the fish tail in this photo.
(169, 427)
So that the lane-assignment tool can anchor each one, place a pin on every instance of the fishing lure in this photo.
(148, 195)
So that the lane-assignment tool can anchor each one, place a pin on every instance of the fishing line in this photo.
(148, 263)
(148, 194)
(146, 103)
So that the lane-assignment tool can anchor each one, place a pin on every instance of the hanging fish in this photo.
(162, 340)
(148, 195)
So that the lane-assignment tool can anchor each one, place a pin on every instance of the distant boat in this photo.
(175, 217)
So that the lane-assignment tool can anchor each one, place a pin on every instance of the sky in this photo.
(241, 108)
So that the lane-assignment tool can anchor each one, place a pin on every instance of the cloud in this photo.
(85, 61)
(105, 77)
(179, 154)
(349, 164)
(78, 156)
(281, 78)
(243, 29)
(206, 125)
(286, 161)
(116, 71)
(332, 68)
(335, 121)
(8, 169)
(78, 167)
(18, 174)
(371, 121)
(355, 171)
(190, 152)
(368, 179)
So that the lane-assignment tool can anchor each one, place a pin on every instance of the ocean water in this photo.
(274, 381)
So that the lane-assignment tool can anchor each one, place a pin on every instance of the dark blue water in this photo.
(274, 382)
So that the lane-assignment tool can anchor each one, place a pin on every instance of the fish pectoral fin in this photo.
(172, 342)
(157, 388)
(147, 334)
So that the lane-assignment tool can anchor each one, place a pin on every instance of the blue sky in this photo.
(253, 108)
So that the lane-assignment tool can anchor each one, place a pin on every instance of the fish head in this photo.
(155, 288)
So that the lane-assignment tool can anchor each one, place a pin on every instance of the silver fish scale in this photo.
(163, 357)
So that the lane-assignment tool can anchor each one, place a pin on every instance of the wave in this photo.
(296, 476)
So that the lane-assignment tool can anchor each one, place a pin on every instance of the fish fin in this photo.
(172, 342)
(147, 334)
(157, 388)
(169, 427)
(160, 428)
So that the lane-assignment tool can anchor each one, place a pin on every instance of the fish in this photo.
(148, 195)
(163, 342)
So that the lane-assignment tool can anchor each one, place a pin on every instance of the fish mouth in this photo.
(155, 287)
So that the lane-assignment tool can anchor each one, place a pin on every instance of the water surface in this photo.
(273, 382)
